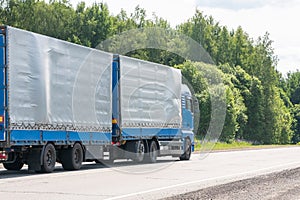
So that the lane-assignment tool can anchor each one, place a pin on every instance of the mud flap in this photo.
(34, 160)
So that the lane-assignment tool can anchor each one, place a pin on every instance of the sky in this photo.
(278, 17)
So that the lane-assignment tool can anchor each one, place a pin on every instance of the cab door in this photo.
(187, 112)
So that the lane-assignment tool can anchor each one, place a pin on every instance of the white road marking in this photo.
(54, 175)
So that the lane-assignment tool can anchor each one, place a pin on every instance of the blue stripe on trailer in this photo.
(2, 85)
(57, 136)
(148, 133)
(36, 137)
(102, 138)
(79, 136)
(25, 137)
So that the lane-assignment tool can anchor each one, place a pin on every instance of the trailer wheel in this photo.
(187, 151)
(151, 156)
(72, 158)
(16, 165)
(139, 151)
(48, 158)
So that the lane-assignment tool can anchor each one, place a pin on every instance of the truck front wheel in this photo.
(187, 150)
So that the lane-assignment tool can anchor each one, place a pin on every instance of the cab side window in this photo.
(189, 104)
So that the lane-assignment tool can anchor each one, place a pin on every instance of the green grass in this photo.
(236, 145)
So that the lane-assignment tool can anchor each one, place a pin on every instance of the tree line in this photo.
(263, 106)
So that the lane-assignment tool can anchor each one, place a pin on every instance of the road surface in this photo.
(278, 185)
(166, 178)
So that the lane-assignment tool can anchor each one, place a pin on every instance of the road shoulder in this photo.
(280, 185)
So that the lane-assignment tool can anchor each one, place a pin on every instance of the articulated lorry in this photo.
(66, 103)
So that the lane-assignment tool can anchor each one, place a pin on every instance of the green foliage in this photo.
(236, 117)
(296, 123)
(291, 85)
(195, 78)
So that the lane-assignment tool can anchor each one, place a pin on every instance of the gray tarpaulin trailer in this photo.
(68, 103)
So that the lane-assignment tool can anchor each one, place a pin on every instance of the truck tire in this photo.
(137, 150)
(151, 155)
(187, 151)
(48, 158)
(16, 165)
(71, 159)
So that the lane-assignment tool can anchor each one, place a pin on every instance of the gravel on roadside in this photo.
(280, 186)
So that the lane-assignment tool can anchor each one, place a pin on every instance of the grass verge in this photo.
(236, 145)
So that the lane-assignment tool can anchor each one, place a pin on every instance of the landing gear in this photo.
(109, 158)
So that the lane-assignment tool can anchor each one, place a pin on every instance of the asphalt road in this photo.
(166, 178)
(284, 185)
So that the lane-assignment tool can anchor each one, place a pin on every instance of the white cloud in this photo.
(243, 4)
(230, 4)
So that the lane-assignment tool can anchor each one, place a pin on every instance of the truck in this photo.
(67, 103)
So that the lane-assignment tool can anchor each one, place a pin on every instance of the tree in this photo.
(194, 78)
(293, 86)
(296, 123)
(224, 51)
